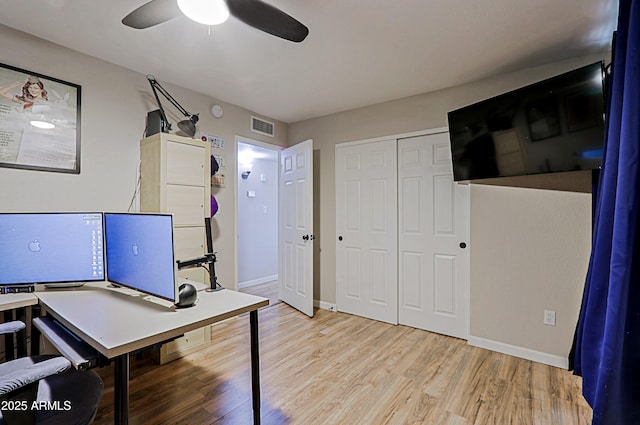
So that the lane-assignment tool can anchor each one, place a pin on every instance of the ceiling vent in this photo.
(262, 126)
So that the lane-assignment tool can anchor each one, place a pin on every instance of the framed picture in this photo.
(581, 111)
(39, 122)
(543, 118)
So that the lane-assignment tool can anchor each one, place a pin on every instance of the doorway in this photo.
(257, 218)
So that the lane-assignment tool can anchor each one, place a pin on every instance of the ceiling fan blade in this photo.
(268, 18)
(152, 13)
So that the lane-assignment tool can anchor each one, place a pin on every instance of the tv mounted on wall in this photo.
(552, 126)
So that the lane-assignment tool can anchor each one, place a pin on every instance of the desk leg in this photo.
(255, 367)
(36, 311)
(9, 346)
(21, 336)
(121, 390)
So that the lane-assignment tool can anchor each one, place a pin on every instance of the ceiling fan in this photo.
(255, 13)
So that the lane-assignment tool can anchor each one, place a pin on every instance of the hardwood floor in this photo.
(266, 290)
(343, 369)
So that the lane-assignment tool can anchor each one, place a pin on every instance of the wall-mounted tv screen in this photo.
(551, 126)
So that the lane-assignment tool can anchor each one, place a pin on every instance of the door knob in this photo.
(339, 238)
(463, 245)
(305, 238)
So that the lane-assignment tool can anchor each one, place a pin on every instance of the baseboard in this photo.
(323, 305)
(259, 281)
(523, 353)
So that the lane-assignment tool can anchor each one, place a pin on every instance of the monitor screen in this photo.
(50, 248)
(139, 252)
(551, 126)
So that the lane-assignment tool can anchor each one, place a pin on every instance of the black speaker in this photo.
(187, 295)
(155, 123)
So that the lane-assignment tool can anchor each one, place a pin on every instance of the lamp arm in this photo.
(155, 85)
(208, 259)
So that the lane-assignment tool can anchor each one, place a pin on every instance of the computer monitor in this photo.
(139, 252)
(50, 248)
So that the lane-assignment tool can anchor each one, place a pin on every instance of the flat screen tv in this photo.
(554, 125)
(50, 248)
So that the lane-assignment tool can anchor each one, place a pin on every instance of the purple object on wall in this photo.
(214, 206)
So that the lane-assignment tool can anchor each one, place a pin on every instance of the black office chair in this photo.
(46, 390)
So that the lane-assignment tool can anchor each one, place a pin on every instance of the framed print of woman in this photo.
(39, 122)
(32, 92)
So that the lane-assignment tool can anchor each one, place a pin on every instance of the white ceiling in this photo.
(358, 52)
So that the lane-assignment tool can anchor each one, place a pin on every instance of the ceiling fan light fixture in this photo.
(207, 12)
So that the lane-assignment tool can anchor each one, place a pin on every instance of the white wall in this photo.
(258, 224)
(114, 105)
(529, 253)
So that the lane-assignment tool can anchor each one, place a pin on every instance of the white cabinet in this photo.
(175, 175)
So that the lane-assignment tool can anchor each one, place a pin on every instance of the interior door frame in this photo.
(247, 141)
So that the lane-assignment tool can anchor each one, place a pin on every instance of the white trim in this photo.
(258, 281)
(250, 141)
(396, 136)
(523, 353)
(324, 305)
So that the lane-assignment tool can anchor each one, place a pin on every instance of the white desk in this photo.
(19, 301)
(116, 322)
(13, 301)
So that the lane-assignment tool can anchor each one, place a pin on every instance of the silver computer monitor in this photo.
(51, 248)
(139, 252)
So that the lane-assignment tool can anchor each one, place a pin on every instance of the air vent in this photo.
(262, 126)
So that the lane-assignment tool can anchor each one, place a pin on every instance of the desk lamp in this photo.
(187, 126)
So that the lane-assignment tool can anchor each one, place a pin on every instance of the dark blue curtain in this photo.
(607, 345)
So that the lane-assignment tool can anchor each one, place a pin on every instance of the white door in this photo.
(296, 227)
(433, 238)
(366, 224)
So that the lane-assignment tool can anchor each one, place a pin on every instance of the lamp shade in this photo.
(207, 12)
(188, 127)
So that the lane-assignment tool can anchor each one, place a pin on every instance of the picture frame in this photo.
(39, 121)
(543, 118)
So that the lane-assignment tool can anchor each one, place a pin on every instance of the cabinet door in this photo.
(185, 164)
(189, 243)
(187, 205)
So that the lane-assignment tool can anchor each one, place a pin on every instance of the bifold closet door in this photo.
(433, 238)
(366, 224)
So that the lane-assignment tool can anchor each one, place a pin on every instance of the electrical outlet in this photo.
(550, 317)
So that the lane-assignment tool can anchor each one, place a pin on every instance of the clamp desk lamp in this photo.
(207, 261)
(187, 126)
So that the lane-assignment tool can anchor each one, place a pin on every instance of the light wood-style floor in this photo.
(343, 369)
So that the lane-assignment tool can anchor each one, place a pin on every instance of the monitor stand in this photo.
(64, 285)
